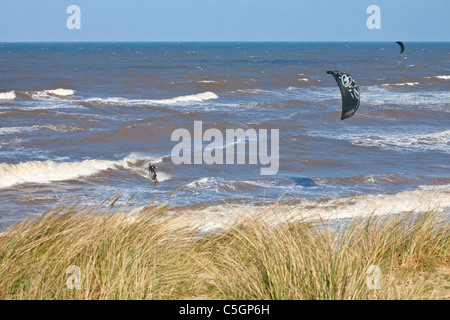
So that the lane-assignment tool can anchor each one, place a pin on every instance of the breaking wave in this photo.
(136, 102)
(60, 92)
(422, 199)
(49, 171)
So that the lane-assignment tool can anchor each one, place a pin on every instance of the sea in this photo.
(80, 122)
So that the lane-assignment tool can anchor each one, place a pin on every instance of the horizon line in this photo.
(224, 41)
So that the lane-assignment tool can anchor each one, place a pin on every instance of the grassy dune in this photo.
(152, 256)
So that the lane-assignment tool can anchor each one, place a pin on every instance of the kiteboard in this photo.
(154, 178)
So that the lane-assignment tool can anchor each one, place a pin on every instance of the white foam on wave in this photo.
(257, 92)
(15, 130)
(198, 182)
(48, 171)
(60, 92)
(217, 146)
(437, 141)
(141, 156)
(10, 95)
(50, 127)
(384, 95)
(411, 84)
(443, 77)
(190, 98)
(48, 105)
(262, 184)
(203, 187)
(200, 97)
(422, 199)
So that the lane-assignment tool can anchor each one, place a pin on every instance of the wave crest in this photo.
(49, 171)
(10, 95)
(60, 92)
(136, 102)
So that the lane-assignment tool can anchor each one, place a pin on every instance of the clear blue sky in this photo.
(224, 20)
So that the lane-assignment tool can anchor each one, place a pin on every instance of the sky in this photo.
(224, 20)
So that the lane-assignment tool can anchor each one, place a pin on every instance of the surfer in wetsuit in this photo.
(152, 170)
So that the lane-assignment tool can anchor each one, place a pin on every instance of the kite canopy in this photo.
(402, 46)
(349, 93)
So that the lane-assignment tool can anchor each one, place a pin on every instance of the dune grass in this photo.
(151, 256)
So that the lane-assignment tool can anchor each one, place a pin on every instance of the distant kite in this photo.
(349, 93)
(402, 46)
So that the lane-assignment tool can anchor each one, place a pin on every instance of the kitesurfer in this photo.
(152, 171)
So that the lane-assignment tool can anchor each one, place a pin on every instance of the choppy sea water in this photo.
(82, 121)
